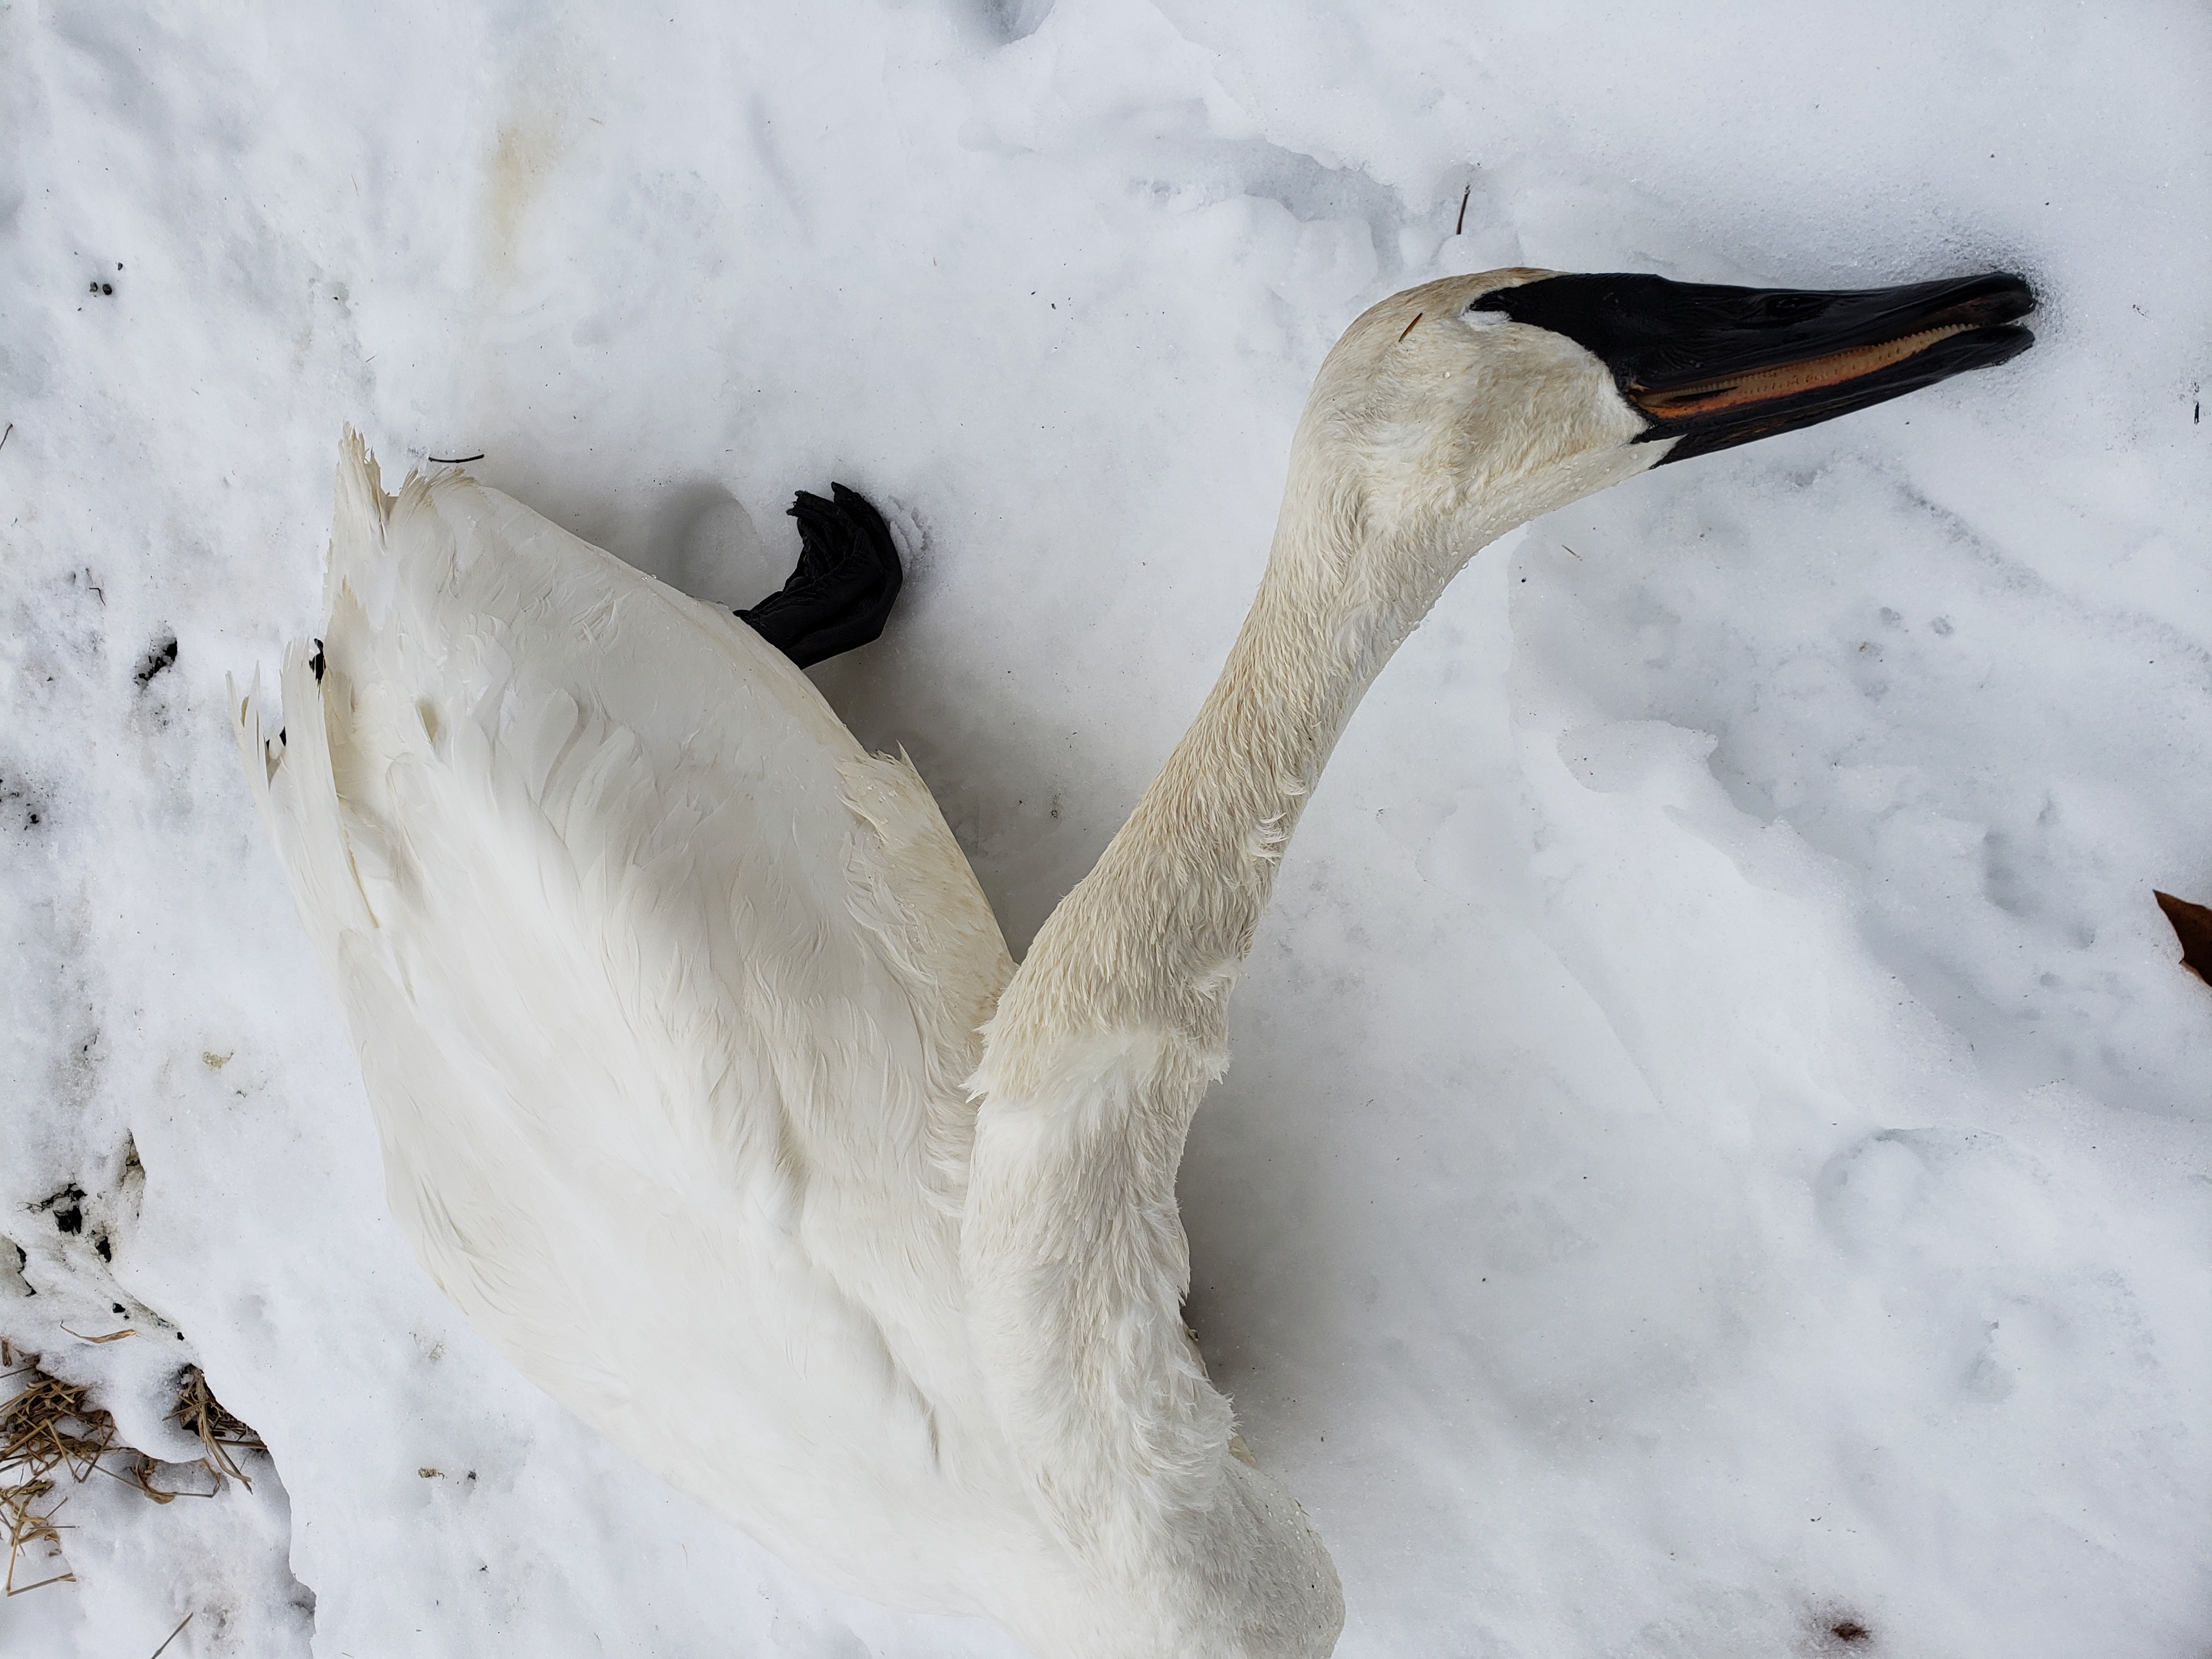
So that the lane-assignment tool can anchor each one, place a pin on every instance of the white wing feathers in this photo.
(732, 969)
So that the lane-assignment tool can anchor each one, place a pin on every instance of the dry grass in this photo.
(51, 1427)
(200, 1413)
(47, 1426)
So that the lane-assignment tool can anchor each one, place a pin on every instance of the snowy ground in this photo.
(1717, 1147)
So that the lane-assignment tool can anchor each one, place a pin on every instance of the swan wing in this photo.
(663, 991)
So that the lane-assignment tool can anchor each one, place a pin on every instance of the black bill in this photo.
(1715, 367)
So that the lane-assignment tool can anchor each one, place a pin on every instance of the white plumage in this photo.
(663, 991)
(705, 1086)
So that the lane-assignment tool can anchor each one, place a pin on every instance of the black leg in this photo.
(842, 591)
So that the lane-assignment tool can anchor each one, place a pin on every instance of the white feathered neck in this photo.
(1413, 453)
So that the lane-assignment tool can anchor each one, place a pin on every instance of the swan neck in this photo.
(1158, 931)
(1094, 1063)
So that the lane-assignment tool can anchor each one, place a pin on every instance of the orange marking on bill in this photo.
(1760, 386)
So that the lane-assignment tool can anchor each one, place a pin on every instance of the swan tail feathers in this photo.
(291, 775)
(847, 578)
(294, 745)
(359, 512)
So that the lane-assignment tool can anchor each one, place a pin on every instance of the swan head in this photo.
(1452, 412)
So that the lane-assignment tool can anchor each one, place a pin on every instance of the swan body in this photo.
(705, 1086)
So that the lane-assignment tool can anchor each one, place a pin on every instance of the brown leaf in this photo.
(2192, 926)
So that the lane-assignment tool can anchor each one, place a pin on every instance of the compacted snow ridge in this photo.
(1714, 1164)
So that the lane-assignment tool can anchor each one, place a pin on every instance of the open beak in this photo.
(1713, 366)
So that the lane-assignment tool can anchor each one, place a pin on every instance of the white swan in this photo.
(705, 1086)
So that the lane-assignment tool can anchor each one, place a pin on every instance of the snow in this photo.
(1717, 1145)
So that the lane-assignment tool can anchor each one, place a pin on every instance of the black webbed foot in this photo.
(842, 593)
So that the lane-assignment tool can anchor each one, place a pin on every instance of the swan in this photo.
(705, 1085)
